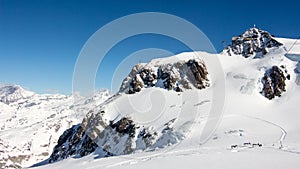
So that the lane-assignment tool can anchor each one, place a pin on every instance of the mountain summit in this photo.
(254, 43)
(13, 93)
(160, 113)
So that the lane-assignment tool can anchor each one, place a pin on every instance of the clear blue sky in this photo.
(41, 39)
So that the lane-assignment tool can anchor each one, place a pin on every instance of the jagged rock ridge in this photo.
(116, 138)
(254, 42)
(177, 76)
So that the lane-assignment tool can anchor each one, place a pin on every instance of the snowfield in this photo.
(255, 132)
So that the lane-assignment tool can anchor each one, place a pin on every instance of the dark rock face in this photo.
(177, 76)
(81, 140)
(254, 42)
(72, 142)
(76, 142)
(274, 82)
(119, 137)
(124, 126)
(200, 73)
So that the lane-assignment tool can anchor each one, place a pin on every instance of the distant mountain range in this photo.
(30, 123)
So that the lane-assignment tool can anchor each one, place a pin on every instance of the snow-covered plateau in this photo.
(157, 118)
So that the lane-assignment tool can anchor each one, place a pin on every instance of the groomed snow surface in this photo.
(254, 132)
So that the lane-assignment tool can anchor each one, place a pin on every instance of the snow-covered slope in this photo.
(256, 131)
(30, 124)
(143, 116)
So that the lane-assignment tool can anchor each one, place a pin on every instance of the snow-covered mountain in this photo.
(252, 43)
(13, 93)
(116, 128)
(157, 118)
(30, 123)
(260, 126)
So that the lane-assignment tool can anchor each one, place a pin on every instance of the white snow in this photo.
(292, 46)
(254, 133)
(30, 124)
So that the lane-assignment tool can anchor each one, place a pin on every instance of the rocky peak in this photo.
(254, 43)
(176, 76)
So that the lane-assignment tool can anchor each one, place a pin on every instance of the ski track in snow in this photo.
(283, 135)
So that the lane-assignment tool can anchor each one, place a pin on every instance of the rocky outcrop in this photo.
(72, 142)
(124, 126)
(274, 82)
(199, 73)
(93, 133)
(80, 141)
(177, 76)
(119, 137)
(252, 43)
